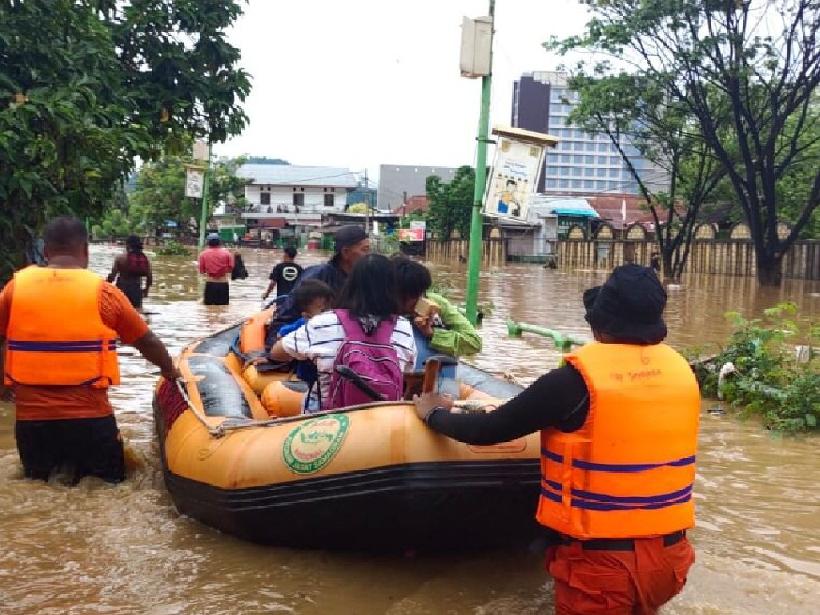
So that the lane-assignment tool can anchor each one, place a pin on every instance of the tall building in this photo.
(583, 163)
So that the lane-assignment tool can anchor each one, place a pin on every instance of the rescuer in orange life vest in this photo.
(619, 428)
(59, 327)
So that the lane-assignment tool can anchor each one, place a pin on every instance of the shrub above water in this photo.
(770, 379)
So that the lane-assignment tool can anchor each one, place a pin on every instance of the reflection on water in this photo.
(124, 549)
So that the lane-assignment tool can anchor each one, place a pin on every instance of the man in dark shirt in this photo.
(352, 243)
(592, 571)
(285, 275)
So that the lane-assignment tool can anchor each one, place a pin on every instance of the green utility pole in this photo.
(206, 181)
(474, 265)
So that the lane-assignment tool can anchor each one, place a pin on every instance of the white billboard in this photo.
(513, 178)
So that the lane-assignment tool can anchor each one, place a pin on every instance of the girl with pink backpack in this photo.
(361, 348)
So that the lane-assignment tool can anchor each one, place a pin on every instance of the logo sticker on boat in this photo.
(310, 446)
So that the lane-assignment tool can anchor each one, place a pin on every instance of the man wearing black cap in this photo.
(618, 428)
(351, 244)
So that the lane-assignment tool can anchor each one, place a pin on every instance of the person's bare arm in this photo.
(149, 279)
(271, 286)
(278, 353)
(152, 348)
(115, 269)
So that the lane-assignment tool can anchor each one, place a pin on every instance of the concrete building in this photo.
(293, 198)
(583, 163)
(398, 182)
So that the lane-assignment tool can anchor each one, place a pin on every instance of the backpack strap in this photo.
(354, 332)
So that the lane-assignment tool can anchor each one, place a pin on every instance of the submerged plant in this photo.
(769, 378)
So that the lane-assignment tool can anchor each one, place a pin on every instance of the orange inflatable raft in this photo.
(238, 456)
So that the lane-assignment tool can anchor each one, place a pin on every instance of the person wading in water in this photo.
(619, 429)
(216, 264)
(60, 367)
(129, 269)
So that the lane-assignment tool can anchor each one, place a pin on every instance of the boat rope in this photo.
(234, 424)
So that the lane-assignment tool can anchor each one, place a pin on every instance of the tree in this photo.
(746, 70)
(159, 197)
(633, 113)
(86, 86)
(450, 204)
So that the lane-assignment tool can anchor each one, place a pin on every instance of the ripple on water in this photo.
(124, 549)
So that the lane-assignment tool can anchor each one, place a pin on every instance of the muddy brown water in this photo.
(124, 549)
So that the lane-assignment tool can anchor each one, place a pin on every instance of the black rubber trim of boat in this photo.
(422, 505)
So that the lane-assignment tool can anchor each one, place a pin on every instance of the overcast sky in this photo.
(358, 83)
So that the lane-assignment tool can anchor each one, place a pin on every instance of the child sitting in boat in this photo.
(310, 298)
(368, 310)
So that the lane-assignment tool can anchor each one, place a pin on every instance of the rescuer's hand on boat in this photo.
(427, 403)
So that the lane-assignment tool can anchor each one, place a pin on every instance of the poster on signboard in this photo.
(513, 178)
(194, 181)
(415, 232)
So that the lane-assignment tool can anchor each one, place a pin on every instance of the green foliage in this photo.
(633, 113)
(265, 160)
(357, 208)
(415, 216)
(450, 203)
(769, 380)
(172, 248)
(86, 86)
(159, 195)
(748, 73)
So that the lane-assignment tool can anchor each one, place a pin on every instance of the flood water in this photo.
(124, 549)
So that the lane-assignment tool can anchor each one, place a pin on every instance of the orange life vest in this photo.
(55, 334)
(628, 471)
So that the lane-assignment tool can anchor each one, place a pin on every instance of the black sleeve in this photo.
(557, 399)
(275, 272)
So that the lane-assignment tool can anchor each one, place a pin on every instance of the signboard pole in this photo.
(476, 220)
(203, 220)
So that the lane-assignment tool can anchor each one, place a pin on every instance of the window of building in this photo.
(578, 159)
(589, 159)
(564, 183)
(614, 172)
(603, 146)
(578, 146)
(555, 107)
(577, 183)
(299, 199)
(615, 161)
(589, 184)
(552, 183)
(600, 185)
(603, 159)
(590, 147)
(588, 172)
(600, 172)
(329, 199)
(565, 171)
(566, 158)
(579, 134)
(264, 198)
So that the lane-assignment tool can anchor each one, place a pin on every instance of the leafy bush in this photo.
(769, 379)
(172, 248)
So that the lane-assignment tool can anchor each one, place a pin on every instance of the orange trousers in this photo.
(635, 582)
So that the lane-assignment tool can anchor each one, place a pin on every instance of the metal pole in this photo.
(367, 204)
(206, 180)
(474, 266)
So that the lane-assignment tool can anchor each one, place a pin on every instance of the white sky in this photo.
(358, 83)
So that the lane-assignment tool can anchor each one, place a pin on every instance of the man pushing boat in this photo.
(619, 427)
(59, 326)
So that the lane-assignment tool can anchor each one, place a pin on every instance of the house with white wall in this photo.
(281, 196)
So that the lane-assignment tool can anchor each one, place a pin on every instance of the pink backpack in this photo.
(372, 357)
